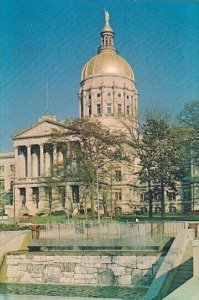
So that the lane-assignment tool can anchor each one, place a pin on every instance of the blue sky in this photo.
(53, 39)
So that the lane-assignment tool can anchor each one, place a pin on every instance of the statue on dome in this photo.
(107, 17)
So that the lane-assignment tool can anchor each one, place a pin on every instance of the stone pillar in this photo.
(41, 157)
(29, 161)
(114, 108)
(54, 154)
(102, 99)
(47, 161)
(16, 163)
(196, 259)
(28, 196)
(17, 200)
(124, 94)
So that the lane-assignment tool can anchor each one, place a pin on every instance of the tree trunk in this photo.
(150, 199)
(92, 198)
(162, 200)
(111, 199)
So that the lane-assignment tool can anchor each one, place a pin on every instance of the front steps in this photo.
(184, 271)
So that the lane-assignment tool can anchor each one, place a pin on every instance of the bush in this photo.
(58, 213)
(12, 227)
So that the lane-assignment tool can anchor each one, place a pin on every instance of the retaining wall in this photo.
(82, 270)
(162, 281)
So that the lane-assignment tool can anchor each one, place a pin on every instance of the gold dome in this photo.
(107, 63)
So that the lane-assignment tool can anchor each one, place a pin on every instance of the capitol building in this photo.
(107, 90)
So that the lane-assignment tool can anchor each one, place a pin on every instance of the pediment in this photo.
(39, 129)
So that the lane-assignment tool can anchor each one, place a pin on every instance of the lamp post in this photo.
(13, 193)
(67, 202)
(98, 206)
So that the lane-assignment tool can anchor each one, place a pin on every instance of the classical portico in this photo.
(35, 160)
(35, 157)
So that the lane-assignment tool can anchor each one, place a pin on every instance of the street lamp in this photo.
(98, 206)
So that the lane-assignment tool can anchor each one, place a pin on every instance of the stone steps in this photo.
(184, 271)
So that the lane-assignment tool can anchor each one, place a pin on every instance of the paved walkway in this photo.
(33, 297)
(10, 241)
(187, 291)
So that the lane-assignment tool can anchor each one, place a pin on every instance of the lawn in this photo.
(121, 218)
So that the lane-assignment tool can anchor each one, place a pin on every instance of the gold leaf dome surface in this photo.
(107, 63)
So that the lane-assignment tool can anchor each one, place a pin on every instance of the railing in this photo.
(113, 236)
(111, 230)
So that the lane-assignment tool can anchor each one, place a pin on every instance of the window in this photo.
(118, 196)
(118, 175)
(119, 95)
(62, 195)
(2, 185)
(89, 96)
(98, 95)
(12, 168)
(127, 109)
(127, 97)
(143, 197)
(89, 110)
(98, 109)
(35, 196)
(75, 193)
(187, 195)
(1, 169)
(172, 209)
(109, 94)
(49, 196)
(109, 109)
(171, 196)
(119, 109)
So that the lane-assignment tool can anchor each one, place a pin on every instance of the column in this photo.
(54, 154)
(17, 200)
(102, 100)
(124, 94)
(114, 108)
(16, 163)
(41, 157)
(29, 161)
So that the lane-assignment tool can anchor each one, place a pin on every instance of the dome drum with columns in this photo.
(107, 82)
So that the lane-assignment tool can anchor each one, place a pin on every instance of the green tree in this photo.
(92, 146)
(189, 116)
(189, 120)
(2, 202)
(158, 148)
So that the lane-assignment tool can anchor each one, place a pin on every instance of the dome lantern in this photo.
(107, 36)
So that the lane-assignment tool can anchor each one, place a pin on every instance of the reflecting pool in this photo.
(73, 291)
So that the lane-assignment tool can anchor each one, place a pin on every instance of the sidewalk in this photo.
(10, 241)
(34, 297)
(187, 291)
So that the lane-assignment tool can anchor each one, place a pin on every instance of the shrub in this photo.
(12, 227)
(58, 213)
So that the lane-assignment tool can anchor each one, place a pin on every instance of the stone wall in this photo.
(82, 270)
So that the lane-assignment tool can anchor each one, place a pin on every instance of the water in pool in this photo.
(73, 291)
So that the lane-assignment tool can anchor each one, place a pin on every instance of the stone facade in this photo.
(34, 159)
(7, 167)
(107, 93)
(82, 270)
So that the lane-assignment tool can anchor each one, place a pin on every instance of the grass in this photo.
(24, 245)
(63, 219)
(158, 218)
(122, 218)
